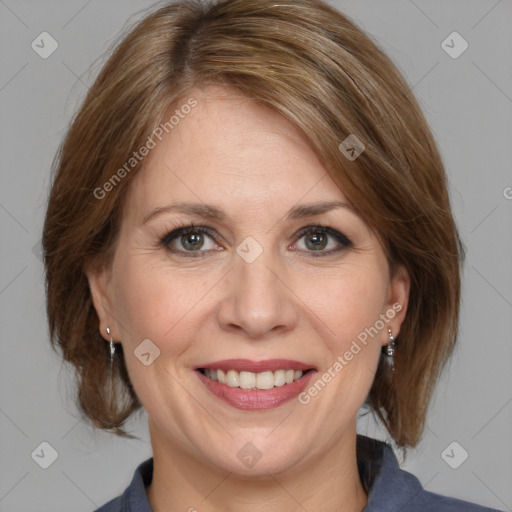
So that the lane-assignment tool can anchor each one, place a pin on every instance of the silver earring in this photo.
(111, 369)
(112, 347)
(390, 352)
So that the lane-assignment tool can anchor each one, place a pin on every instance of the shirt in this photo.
(389, 488)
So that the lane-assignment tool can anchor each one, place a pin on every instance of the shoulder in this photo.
(437, 502)
(112, 506)
(391, 488)
(412, 497)
(134, 498)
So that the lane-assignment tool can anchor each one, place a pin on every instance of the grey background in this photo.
(468, 102)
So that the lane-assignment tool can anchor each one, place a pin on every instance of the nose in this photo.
(257, 300)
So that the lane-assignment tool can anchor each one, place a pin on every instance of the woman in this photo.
(255, 221)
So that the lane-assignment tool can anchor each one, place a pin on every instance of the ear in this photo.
(397, 299)
(99, 278)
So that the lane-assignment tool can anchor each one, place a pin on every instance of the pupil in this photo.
(192, 240)
(318, 240)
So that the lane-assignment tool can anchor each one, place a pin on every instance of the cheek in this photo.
(348, 304)
(349, 300)
(152, 304)
(150, 301)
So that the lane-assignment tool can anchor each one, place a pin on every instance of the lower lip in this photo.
(256, 399)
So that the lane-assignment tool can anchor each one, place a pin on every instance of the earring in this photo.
(390, 352)
(112, 348)
(111, 370)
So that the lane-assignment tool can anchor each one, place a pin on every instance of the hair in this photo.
(314, 66)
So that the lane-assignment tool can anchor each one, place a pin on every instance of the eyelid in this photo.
(178, 230)
(321, 228)
(172, 233)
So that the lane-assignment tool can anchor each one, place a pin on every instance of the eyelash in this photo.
(183, 229)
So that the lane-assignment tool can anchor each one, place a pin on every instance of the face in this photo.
(258, 278)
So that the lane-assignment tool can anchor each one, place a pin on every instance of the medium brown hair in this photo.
(310, 63)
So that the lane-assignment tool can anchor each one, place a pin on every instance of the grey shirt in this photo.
(389, 488)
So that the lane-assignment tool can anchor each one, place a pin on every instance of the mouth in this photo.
(250, 385)
(250, 380)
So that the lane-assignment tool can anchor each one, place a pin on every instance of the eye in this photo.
(189, 239)
(319, 238)
(196, 241)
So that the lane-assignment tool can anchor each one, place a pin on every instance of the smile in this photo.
(249, 385)
(250, 380)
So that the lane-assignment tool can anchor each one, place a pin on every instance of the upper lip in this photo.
(248, 365)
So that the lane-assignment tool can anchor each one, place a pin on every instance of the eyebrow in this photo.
(212, 212)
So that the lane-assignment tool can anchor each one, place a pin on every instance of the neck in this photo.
(328, 481)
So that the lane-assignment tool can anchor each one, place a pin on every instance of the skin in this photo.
(288, 303)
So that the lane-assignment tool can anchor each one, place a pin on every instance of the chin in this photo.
(259, 454)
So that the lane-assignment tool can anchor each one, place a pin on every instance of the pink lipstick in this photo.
(255, 385)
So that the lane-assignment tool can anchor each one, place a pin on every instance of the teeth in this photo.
(233, 379)
(250, 380)
(247, 380)
(279, 378)
(265, 380)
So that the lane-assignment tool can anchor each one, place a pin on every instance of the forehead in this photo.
(230, 150)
